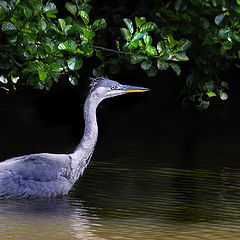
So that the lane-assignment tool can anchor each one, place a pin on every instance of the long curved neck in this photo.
(83, 152)
(89, 138)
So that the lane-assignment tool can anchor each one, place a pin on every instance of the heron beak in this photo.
(131, 89)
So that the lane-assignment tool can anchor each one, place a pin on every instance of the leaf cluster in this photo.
(214, 30)
(39, 47)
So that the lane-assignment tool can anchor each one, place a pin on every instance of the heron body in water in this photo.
(50, 175)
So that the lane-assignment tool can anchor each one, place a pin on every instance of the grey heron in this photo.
(49, 175)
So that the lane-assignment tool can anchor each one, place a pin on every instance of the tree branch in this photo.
(111, 50)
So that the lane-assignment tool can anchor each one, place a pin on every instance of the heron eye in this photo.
(113, 87)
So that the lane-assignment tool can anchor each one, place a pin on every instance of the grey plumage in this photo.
(50, 175)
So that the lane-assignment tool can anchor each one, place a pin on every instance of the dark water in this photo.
(153, 176)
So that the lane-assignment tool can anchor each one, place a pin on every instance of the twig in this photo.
(111, 50)
(6, 89)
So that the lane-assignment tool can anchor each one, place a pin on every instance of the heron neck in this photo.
(84, 150)
(91, 128)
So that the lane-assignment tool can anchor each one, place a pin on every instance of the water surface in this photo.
(152, 176)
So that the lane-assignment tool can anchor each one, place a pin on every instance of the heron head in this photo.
(106, 88)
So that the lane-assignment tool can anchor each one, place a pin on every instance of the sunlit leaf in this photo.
(223, 95)
(126, 34)
(211, 94)
(89, 34)
(8, 27)
(149, 26)
(183, 45)
(147, 39)
(62, 23)
(99, 24)
(180, 56)
(84, 16)
(74, 63)
(151, 51)
(140, 21)
(136, 58)
(42, 74)
(73, 80)
(129, 25)
(71, 7)
(55, 66)
(160, 47)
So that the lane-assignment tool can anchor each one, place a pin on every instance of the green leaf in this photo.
(223, 95)
(50, 7)
(136, 58)
(152, 72)
(162, 65)
(238, 2)
(175, 68)
(180, 56)
(171, 41)
(42, 24)
(219, 18)
(84, 16)
(140, 21)
(129, 25)
(203, 105)
(50, 10)
(151, 51)
(62, 23)
(14, 79)
(160, 46)
(27, 12)
(4, 5)
(126, 34)
(223, 32)
(183, 45)
(236, 36)
(89, 34)
(149, 26)
(99, 54)
(72, 8)
(55, 66)
(236, 9)
(74, 63)
(146, 64)
(138, 36)
(117, 45)
(178, 4)
(211, 94)
(68, 45)
(42, 74)
(8, 27)
(73, 80)
(227, 45)
(3, 79)
(99, 24)
(147, 39)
